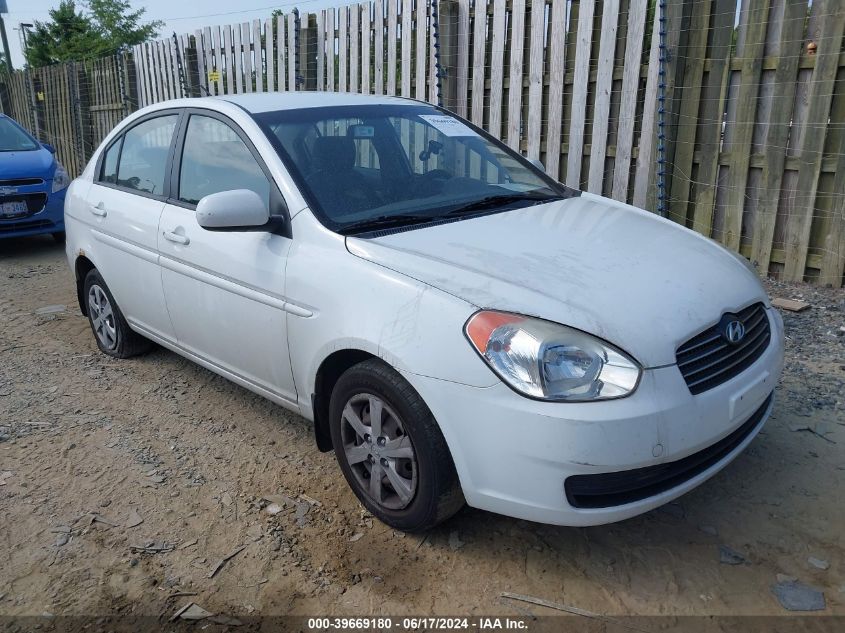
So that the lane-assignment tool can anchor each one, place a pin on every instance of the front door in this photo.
(225, 290)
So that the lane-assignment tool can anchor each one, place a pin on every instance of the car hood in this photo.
(632, 278)
(32, 164)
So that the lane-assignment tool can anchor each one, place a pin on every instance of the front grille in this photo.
(21, 182)
(606, 490)
(24, 226)
(708, 359)
(34, 203)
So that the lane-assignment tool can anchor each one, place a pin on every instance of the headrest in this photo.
(334, 152)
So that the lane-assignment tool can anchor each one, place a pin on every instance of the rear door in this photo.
(225, 289)
(125, 204)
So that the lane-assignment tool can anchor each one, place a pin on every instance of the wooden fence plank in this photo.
(497, 61)
(269, 54)
(246, 46)
(406, 66)
(478, 61)
(628, 100)
(258, 62)
(461, 57)
(579, 94)
(777, 133)
(514, 126)
(291, 56)
(535, 77)
(645, 165)
(696, 47)
(216, 46)
(330, 44)
(378, 44)
(366, 38)
(713, 93)
(557, 68)
(833, 255)
(321, 49)
(390, 42)
(354, 48)
(343, 48)
(604, 84)
(743, 126)
(829, 46)
(421, 41)
(231, 71)
(281, 70)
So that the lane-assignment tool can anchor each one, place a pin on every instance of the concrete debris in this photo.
(795, 596)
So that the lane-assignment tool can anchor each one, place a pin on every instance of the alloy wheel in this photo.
(378, 451)
(102, 317)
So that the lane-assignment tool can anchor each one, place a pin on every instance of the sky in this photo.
(182, 16)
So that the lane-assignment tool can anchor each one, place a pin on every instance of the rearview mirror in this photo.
(538, 164)
(49, 148)
(236, 210)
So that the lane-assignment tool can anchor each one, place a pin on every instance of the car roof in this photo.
(258, 102)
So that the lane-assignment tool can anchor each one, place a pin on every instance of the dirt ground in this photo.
(91, 445)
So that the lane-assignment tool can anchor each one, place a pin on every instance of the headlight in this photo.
(60, 178)
(546, 360)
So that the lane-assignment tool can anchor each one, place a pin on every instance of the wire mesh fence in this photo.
(728, 115)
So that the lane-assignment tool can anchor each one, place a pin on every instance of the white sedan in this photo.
(459, 327)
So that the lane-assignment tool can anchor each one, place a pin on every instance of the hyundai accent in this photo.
(458, 326)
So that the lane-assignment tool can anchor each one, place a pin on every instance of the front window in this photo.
(215, 159)
(13, 138)
(382, 166)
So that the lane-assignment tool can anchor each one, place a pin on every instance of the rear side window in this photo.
(109, 170)
(143, 158)
(215, 159)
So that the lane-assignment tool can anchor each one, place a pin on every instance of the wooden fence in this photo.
(72, 106)
(745, 125)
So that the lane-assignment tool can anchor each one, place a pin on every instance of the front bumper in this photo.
(513, 455)
(50, 219)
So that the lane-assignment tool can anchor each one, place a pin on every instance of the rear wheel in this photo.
(391, 450)
(111, 331)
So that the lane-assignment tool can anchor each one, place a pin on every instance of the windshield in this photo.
(13, 138)
(377, 166)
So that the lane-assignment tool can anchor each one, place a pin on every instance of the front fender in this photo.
(360, 305)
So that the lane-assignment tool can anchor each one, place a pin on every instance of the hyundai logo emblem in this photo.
(734, 332)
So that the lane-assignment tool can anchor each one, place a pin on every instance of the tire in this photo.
(410, 445)
(59, 237)
(111, 331)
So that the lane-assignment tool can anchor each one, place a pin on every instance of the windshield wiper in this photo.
(502, 200)
(385, 221)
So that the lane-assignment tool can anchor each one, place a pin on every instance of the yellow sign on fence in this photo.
(213, 75)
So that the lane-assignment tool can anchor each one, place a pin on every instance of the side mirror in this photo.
(236, 210)
(49, 148)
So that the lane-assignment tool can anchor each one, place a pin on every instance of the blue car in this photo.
(32, 185)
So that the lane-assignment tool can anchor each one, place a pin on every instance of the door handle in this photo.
(98, 210)
(177, 238)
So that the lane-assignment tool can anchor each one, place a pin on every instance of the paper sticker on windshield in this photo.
(447, 125)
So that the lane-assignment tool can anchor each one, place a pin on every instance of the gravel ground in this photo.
(124, 483)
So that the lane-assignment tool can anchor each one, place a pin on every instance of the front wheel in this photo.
(391, 450)
(111, 331)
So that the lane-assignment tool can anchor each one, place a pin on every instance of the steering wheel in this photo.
(439, 176)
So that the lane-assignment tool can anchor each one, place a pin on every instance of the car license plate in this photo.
(9, 209)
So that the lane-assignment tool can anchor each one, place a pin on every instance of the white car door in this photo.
(125, 203)
(225, 289)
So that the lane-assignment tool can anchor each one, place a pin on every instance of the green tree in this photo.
(71, 34)
(119, 26)
(68, 35)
